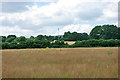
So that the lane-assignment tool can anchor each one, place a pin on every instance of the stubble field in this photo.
(60, 63)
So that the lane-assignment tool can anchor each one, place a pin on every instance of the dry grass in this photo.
(56, 63)
(70, 42)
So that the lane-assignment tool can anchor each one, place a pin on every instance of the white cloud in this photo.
(72, 14)
(116, 23)
(29, 0)
(116, 1)
(110, 13)
(64, 12)
(48, 0)
(76, 28)
(16, 30)
(54, 0)
(6, 30)
(2, 18)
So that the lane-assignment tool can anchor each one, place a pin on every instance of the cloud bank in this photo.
(45, 16)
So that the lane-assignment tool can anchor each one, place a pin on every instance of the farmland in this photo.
(70, 42)
(60, 63)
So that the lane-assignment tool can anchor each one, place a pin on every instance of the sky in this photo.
(44, 17)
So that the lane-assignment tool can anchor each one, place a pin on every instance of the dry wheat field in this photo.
(60, 63)
(70, 42)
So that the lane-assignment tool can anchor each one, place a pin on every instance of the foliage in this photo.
(100, 36)
(3, 38)
(105, 32)
(75, 36)
(97, 43)
(10, 39)
(20, 39)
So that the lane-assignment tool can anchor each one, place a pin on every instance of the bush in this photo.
(97, 43)
(31, 43)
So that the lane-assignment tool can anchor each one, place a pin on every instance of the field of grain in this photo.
(60, 63)
(70, 42)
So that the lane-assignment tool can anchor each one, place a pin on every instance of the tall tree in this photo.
(104, 32)
(20, 39)
(3, 38)
(10, 39)
(11, 36)
(74, 36)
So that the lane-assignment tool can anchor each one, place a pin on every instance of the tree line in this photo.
(104, 36)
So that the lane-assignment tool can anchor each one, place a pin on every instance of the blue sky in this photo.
(46, 16)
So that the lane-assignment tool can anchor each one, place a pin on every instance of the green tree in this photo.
(3, 38)
(32, 37)
(5, 45)
(19, 39)
(104, 32)
(10, 39)
(74, 36)
(9, 36)
(39, 37)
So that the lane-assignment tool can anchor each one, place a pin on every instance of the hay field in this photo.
(70, 42)
(60, 63)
